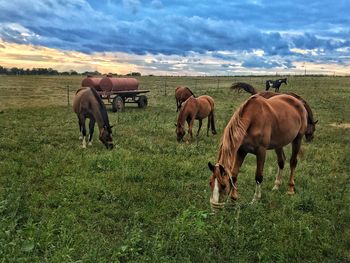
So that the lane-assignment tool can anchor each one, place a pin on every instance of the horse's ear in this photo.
(175, 124)
(111, 126)
(211, 166)
(315, 121)
(222, 169)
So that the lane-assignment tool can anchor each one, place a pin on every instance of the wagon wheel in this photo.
(142, 102)
(117, 104)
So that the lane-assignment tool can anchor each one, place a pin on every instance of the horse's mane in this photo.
(233, 135)
(190, 91)
(310, 116)
(103, 109)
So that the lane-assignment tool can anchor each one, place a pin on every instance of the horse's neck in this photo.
(182, 115)
(226, 160)
(98, 115)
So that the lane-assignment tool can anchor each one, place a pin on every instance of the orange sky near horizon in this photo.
(30, 56)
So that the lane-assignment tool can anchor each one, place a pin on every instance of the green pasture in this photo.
(147, 200)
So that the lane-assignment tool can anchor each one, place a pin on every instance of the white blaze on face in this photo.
(216, 191)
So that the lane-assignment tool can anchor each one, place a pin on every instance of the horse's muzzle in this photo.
(109, 145)
(216, 206)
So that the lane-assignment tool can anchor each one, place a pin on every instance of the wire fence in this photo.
(18, 92)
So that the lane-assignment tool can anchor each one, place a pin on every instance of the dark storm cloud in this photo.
(177, 28)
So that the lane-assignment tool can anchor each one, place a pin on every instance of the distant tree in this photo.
(134, 74)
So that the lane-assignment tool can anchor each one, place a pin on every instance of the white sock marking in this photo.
(84, 142)
(216, 191)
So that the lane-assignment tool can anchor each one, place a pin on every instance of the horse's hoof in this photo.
(80, 137)
(290, 192)
(90, 143)
(187, 142)
(275, 188)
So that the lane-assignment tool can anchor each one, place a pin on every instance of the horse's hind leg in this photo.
(209, 124)
(280, 160)
(91, 129)
(260, 160)
(80, 135)
(83, 129)
(293, 163)
(199, 127)
(212, 122)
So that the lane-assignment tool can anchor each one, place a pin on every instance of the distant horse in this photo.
(258, 125)
(88, 104)
(181, 95)
(275, 84)
(311, 124)
(195, 108)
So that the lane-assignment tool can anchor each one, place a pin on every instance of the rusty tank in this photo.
(118, 84)
(92, 82)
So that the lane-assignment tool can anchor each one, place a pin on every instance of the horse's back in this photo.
(289, 112)
(205, 106)
(81, 95)
(276, 121)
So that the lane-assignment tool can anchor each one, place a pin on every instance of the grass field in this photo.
(147, 200)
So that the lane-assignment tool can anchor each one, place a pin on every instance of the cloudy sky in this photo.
(165, 37)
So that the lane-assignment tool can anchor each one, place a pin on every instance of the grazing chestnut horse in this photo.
(258, 125)
(181, 95)
(311, 124)
(195, 108)
(88, 104)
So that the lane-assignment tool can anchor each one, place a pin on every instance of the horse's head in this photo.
(180, 132)
(106, 136)
(309, 134)
(221, 186)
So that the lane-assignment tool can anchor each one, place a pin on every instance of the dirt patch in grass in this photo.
(341, 125)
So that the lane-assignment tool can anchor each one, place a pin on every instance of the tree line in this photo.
(50, 71)
(41, 71)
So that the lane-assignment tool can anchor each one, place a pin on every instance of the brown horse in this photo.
(88, 104)
(181, 95)
(258, 125)
(195, 108)
(311, 124)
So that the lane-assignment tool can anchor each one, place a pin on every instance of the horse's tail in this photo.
(244, 86)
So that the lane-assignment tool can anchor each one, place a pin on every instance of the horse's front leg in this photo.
(190, 126)
(91, 129)
(83, 129)
(260, 160)
(237, 164)
(280, 160)
(200, 126)
(293, 163)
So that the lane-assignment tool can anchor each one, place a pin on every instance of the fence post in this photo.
(165, 84)
(68, 95)
(218, 85)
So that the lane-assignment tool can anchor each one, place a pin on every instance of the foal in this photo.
(195, 108)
